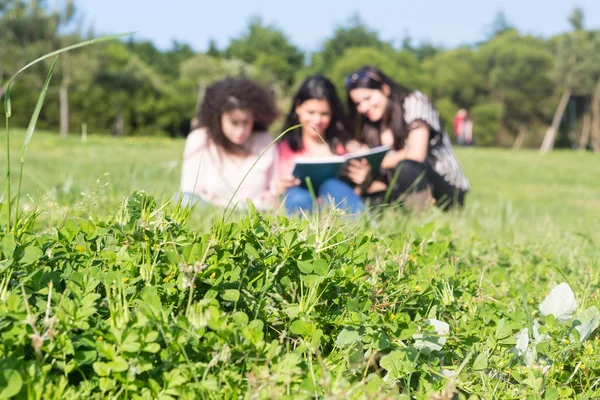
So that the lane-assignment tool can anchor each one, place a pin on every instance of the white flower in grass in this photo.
(522, 339)
(186, 282)
(586, 323)
(537, 337)
(560, 302)
(432, 341)
(449, 373)
(522, 347)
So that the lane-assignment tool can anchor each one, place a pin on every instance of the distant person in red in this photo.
(463, 128)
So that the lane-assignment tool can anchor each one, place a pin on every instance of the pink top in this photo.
(287, 157)
(213, 174)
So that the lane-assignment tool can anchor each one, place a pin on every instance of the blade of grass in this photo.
(7, 190)
(8, 108)
(29, 133)
(7, 103)
(223, 218)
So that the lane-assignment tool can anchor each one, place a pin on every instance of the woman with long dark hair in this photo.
(228, 143)
(422, 163)
(324, 132)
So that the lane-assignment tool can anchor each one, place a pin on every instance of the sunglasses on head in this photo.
(361, 75)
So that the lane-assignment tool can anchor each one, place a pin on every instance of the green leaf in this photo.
(481, 362)
(10, 382)
(502, 330)
(8, 245)
(551, 322)
(4, 264)
(214, 319)
(77, 277)
(288, 363)
(251, 251)
(399, 363)
(151, 336)
(175, 378)
(320, 267)
(31, 255)
(231, 295)
(551, 394)
(88, 228)
(105, 384)
(152, 348)
(380, 341)
(254, 331)
(298, 327)
(105, 350)
(150, 296)
(119, 364)
(305, 266)
(131, 343)
(374, 385)
(240, 317)
(85, 357)
(101, 368)
(534, 382)
(347, 337)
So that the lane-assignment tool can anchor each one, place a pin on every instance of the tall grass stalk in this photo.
(225, 219)
(34, 117)
(29, 133)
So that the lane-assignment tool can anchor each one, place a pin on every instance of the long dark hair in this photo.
(319, 88)
(235, 94)
(371, 77)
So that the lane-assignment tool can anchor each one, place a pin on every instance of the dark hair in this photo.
(320, 88)
(371, 77)
(235, 94)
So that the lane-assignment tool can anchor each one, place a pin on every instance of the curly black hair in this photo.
(235, 94)
(320, 88)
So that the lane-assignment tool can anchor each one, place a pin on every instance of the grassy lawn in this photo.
(530, 223)
(525, 188)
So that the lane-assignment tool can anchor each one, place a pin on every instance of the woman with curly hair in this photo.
(324, 132)
(422, 164)
(231, 135)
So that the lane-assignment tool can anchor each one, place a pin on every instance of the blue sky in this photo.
(309, 22)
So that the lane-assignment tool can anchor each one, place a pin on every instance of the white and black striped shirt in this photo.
(440, 155)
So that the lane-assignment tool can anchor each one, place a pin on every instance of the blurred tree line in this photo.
(521, 90)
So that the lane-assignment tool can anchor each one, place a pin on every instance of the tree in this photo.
(131, 91)
(576, 19)
(213, 50)
(576, 70)
(203, 69)
(500, 25)
(266, 47)
(163, 62)
(424, 51)
(61, 18)
(355, 34)
(400, 66)
(453, 75)
(516, 70)
(26, 29)
(30, 29)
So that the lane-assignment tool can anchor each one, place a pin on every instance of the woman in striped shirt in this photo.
(422, 163)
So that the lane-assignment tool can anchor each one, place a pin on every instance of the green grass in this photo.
(61, 170)
(530, 222)
(561, 189)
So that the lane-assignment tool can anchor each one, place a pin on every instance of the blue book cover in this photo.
(319, 169)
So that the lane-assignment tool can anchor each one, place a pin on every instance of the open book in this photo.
(319, 169)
